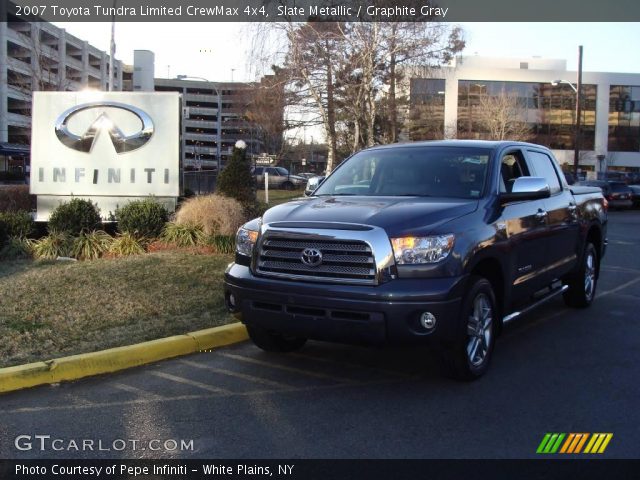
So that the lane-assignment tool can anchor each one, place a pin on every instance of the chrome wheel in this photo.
(589, 275)
(479, 330)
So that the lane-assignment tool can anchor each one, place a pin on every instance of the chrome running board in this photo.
(544, 299)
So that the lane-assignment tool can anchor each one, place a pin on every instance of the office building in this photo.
(451, 102)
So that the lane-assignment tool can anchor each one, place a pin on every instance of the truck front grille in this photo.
(347, 261)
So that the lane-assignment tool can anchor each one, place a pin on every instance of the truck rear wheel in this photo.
(468, 358)
(582, 283)
(273, 341)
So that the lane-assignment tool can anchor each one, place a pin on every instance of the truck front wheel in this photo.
(274, 342)
(469, 357)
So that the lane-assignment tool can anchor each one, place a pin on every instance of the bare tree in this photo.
(345, 74)
(425, 44)
(503, 118)
(265, 103)
(316, 52)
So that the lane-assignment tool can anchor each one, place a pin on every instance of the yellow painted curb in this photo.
(120, 358)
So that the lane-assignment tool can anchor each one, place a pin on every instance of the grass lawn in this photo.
(50, 309)
(276, 197)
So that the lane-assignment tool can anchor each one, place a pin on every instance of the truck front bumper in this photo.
(387, 313)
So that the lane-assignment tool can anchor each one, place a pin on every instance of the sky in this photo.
(221, 51)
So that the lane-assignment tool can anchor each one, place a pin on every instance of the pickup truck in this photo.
(430, 242)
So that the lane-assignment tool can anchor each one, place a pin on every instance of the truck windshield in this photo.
(458, 172)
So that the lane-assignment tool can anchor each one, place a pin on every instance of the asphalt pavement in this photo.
(554, 370)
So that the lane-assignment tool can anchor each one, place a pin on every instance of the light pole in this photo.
(112, 47)
(578, 91)
(219, 116)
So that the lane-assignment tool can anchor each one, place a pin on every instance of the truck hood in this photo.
(397, 215)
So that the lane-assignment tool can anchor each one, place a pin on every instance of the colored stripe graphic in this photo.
(553, 443)
(574, 443)
(550, 443)
(598, 443)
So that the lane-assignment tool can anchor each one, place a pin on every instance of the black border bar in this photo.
(325, 10)
(583, 469)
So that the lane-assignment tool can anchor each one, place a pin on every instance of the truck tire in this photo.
(468, 358)
(274, 342)
(582, 283)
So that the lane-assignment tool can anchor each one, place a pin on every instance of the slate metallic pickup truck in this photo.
(433, 242)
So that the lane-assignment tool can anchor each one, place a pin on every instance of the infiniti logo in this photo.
(121, 143)
(311, 257)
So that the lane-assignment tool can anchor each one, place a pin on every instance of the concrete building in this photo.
(447, 102)
(213, 120)
(143, 71)
(40, 56)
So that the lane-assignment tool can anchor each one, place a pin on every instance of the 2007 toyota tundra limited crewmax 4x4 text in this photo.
(434, 242)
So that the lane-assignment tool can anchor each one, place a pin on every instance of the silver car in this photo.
(279, 177)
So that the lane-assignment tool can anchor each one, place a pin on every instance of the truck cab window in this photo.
(512, 166)
(543, 167)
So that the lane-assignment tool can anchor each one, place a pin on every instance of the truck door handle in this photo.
(541, 215)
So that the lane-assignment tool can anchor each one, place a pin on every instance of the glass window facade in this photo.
(426, 112)
(624, 118)
(548, 110)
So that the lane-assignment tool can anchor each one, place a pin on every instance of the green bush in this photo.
(126, 244)
(142, 218)
(16, 197)
(91, 245)
(185, 235)
(4, 232)
(19, 224)
(255, 209)
(236, 181)
(222, 243)
(17, 248)
(75, 217)
(54, 245)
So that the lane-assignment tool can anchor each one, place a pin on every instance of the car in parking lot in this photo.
(313, 183)
(279, 177)
(636, 195)
(617, 193)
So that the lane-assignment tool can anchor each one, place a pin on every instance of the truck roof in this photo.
(493, 144)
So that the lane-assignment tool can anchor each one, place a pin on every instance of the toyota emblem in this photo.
(311, 257)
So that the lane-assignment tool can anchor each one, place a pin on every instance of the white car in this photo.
(312, 184)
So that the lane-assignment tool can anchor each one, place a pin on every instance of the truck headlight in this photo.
(245, 240)
(416, 250)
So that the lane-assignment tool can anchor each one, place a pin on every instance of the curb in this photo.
(120, 358)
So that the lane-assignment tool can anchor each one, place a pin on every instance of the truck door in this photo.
(562, 216)
(524, 228)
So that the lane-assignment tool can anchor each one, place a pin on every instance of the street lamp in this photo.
(578, 91)
(112, 47)
(219, 138)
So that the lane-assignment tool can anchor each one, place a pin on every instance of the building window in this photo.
(624, 118)
(426, 109)
(546, 112)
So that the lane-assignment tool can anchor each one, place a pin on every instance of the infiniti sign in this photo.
(121, 143)
(108, 147)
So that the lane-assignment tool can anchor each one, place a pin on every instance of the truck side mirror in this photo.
(526, 188)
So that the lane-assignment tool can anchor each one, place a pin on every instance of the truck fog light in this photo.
(428, 320)
(231, 302)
